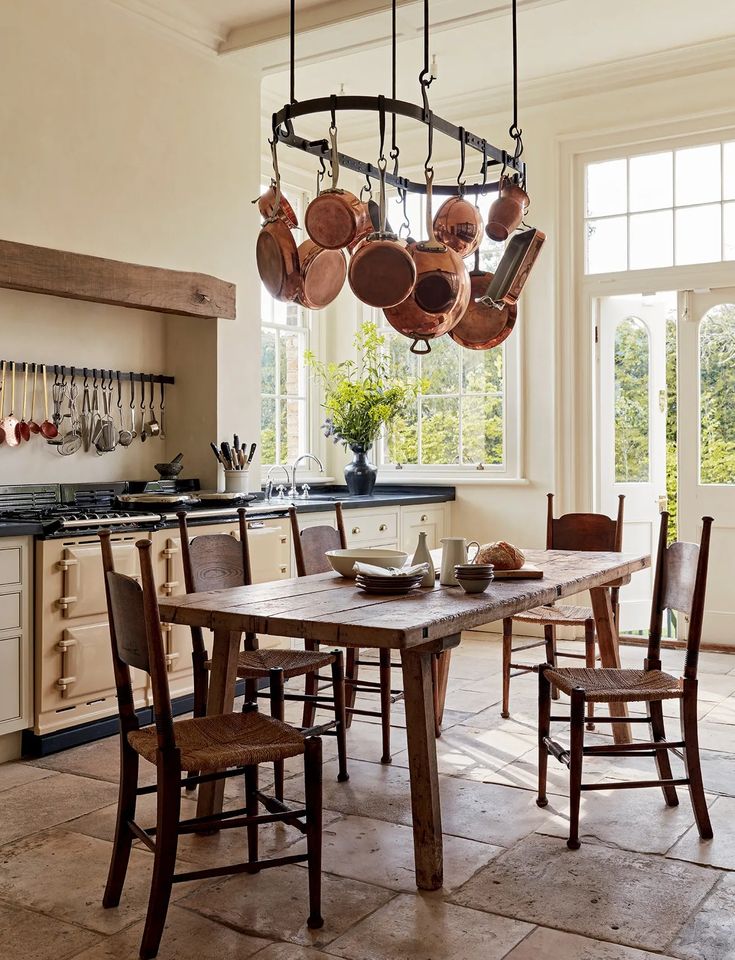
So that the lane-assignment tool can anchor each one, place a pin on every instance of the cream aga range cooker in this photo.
(74, 694)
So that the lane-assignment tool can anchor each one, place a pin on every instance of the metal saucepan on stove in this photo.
(441, 293)
(275, 252)
(336, 217)
(483, 326)
(382, 272)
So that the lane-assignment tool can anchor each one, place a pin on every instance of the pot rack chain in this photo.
(514, 130)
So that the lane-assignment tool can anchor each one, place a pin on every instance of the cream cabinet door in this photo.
(430, 519)
(16, 635)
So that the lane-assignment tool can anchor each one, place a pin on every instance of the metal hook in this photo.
(460, 175)
(132, 390)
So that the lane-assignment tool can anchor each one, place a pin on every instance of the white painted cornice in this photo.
(166, 17)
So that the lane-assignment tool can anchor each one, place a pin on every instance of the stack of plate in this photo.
(396, 584)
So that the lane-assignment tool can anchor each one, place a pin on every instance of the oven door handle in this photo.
(65, 646)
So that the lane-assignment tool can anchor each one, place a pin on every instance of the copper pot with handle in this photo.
(276, 252)
(322, 275)
(336, 218)
(507, 212)
(382, 272)
(283, 209)
(483, 325)
(441, 293)
(458, 224)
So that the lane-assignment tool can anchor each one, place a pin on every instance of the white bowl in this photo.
(343, 561)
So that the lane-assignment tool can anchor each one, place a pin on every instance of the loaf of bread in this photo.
(502, 555)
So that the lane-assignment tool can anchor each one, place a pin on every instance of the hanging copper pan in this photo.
(267, 206)
(382, 272)
(336, 217)
(507, 212)
(441, 293)
(458, 224)
(275, 251)
(322, 275)
(482, 326)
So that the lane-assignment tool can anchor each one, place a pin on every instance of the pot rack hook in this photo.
(320, 174)
(460, 176)
(366, 190)
(484, 166)
(119, 391)
(132, 390)
(162, 404)
(150, 381)
(85, 382)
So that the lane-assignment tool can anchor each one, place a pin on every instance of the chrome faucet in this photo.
(269, 481)
(294, 492)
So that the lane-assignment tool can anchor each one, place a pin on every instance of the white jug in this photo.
(454, 551)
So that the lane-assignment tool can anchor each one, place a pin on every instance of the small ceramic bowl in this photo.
(473, 585)
(474, 570)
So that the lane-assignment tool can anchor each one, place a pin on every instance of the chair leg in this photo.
(123, 835)
(200, 679)
(550, 638)
(385, 704)
(544, 730)
(250, 700)
(590, 661)
(576, 745)
(311, 686)
(663, 763)
(338, 685)
(313, 792)
(164, 860)
(251, 810)
(277, 712)
(351, 672)
(692, 766)
(507, 649)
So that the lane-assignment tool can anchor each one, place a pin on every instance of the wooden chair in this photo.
(679, 584)
(236, 741)
(218, 561)
(310, 547)
(572, 531)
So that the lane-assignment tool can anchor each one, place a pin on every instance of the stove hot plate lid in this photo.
(151, 500)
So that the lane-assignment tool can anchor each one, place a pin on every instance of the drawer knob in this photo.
(355, 530)
(383, 527)
(424, 518)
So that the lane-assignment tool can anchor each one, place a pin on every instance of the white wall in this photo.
(121, 142)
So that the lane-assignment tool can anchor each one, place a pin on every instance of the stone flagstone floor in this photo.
(642, 886)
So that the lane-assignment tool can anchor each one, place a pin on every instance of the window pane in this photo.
(728, 225)
(607, 245)
(440, 430)
(651, 240)
(716, 388)
(697, 176)
(631, 402)
(651, 181)
(291, 372)
(728, 173)
(607, 188)
(268, 361)
(268, 430)
(482, 371)
(402, 441)
(482, 430)
(293, 430)
(698, 234)
(440, 368)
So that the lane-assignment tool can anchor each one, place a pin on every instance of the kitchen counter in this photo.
(385, 495)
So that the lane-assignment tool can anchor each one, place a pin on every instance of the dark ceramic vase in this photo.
(360, 475)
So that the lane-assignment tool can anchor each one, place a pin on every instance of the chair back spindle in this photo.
(311, 545)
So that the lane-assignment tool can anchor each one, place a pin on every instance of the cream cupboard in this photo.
(16, 635)
(397, 527)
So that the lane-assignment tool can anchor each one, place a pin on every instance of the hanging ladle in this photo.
(24, 428)
(48, 430)
(10, 423)
(32, 425)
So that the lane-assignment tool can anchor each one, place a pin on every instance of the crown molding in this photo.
(166, 17)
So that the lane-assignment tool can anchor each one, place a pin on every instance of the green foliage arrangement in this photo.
(364, 395)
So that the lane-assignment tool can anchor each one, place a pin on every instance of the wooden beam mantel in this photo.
(78, 276)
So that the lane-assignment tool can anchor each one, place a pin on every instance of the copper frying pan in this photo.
(275, 251)
(336, 218)
(321, 275)
(284, 210)
(482, 326)
(382, 272)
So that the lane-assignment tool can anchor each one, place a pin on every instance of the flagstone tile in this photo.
(33, 936)
(545, 944)
(709, 933)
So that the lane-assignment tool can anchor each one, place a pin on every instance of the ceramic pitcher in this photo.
(454, 551)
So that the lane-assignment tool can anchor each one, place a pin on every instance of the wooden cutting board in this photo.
(529, 571)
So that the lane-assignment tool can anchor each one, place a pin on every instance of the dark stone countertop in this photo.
(323, 498)
(19, 529)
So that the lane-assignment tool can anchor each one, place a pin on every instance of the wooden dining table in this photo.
(420, 625)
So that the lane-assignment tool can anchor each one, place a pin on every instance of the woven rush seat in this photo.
(562, 616)
(609, 685)
(227, 740)
(253, 664)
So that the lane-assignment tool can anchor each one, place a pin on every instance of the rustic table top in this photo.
(332, 610)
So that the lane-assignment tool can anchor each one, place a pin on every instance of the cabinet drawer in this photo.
(9, 611)
(10, 678)
(430, 520)
(376, 525)
(10, 565)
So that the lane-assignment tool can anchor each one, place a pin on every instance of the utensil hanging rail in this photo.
(492, 156)
(100, 373)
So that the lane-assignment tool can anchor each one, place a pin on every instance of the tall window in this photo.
(285, 335)
(460, 419)
(662, 209)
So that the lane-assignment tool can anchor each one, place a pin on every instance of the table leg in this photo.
(440, 679)
(421, 736)
(607, 639)
(220, 699)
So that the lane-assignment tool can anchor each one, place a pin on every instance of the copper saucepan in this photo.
(382, 272)
(321, 275)
(483, 326)
(336, 217)
(458, 224)
(441, 293)
(507, 212)
(275, 251)
(284, 210)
